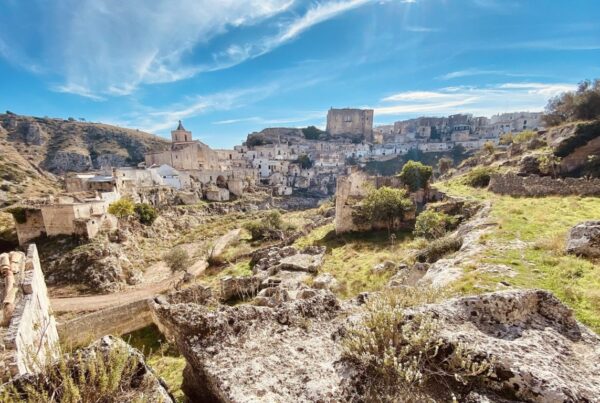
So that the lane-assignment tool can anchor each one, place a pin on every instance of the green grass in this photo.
(351, 257)
(530, 239)
(161, 356)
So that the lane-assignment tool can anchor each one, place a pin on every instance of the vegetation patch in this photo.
(478, 177)
(438, 248)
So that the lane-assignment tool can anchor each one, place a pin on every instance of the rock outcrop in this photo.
(584, 239)
(537, 186)
(293, 351)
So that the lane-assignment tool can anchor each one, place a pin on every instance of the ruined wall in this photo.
(115, 320)
(29, 334)
(350, 121)
(33, 226)
(534, 186)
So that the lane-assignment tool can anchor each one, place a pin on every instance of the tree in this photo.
(304, 161)
(415, 175)
(386, 204)
(146, 213)
(431, 224)
(444, 165)
(122, 208)
(582, 104)
(312, 133)
(177, 259)
(458, 153)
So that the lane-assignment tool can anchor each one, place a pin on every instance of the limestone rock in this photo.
(109, 160)
(34, 135)
(69, 161)
(584, 239)
(384, 267)
(529, 165)
(325, 281)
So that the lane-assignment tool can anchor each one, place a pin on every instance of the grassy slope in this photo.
(530, 239)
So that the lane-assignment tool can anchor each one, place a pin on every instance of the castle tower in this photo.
(180, 135)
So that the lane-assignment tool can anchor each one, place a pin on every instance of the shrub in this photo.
(549, 164)
(439, 248)
(92, 376)
(478, 177)
(524, 136)
(506, 139)
(145, 213)
(384, 204)
(444, 165)
(431, 224)
(489, 148)
(177, 259)
(122, 208)
(398, 354)
(582, 104)
(269, 227)
(415, 175)
(312, 133)
(304, 161)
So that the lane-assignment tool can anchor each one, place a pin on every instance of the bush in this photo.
(506, 139)
(398, 354)
(524, 136)
(270, 227)
(439, 248)
(312, 133)
(304, 161)
(444, 165)
(583, 104)
(177, 259)
(91, 376)
(415, 175)
(431, 224)
(478, 177)
(489, 148)
(146, 213)
(122, 208)
(384, 204)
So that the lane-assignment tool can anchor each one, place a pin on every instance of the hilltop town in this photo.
(266, 270)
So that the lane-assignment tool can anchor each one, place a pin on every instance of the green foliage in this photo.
(304, 161)
(415, 175)
(399, 354)
(582, 104)
(439, 248)
(269, 227)
(549, 164)
(256, 140)
(146, 213)
(122, 208)
(312, 133)
(178, 259)
(384, 205)
(524, 136)
(19, 214)
(99, 376)
(431, 224)
(478, 177)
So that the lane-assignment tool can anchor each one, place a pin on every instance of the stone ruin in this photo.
(28, 329)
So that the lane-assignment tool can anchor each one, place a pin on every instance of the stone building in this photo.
(185, 153)
(354, 122)
(68, 215)
(28, 334)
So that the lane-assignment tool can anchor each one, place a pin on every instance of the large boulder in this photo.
(584, 239)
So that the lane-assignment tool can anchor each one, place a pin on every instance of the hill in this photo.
(33, 149)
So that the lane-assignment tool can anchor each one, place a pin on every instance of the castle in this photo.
(354, 122)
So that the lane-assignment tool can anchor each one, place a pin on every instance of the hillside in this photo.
(59, 146)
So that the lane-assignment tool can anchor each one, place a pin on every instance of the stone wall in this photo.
(115, 320)
(350, 121)
(534, 186)
(28, 330)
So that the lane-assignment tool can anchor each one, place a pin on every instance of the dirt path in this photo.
(146, 290)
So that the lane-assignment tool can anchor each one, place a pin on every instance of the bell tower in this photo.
(180, 135)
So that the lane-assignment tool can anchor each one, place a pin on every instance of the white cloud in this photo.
(488, 100)
(275, 121)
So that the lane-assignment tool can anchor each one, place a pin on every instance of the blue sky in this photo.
(230, 67)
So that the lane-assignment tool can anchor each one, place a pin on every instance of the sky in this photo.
(227, 68)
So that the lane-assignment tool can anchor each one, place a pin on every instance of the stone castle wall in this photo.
(28, 329)
(350, 121)
(534, 186)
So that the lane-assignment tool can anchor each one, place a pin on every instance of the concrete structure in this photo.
(28, 329)
(358, 122)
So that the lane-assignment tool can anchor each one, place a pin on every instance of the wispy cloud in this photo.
(488, 100)
(308, 116)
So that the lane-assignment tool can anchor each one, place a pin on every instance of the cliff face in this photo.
(60, 146)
